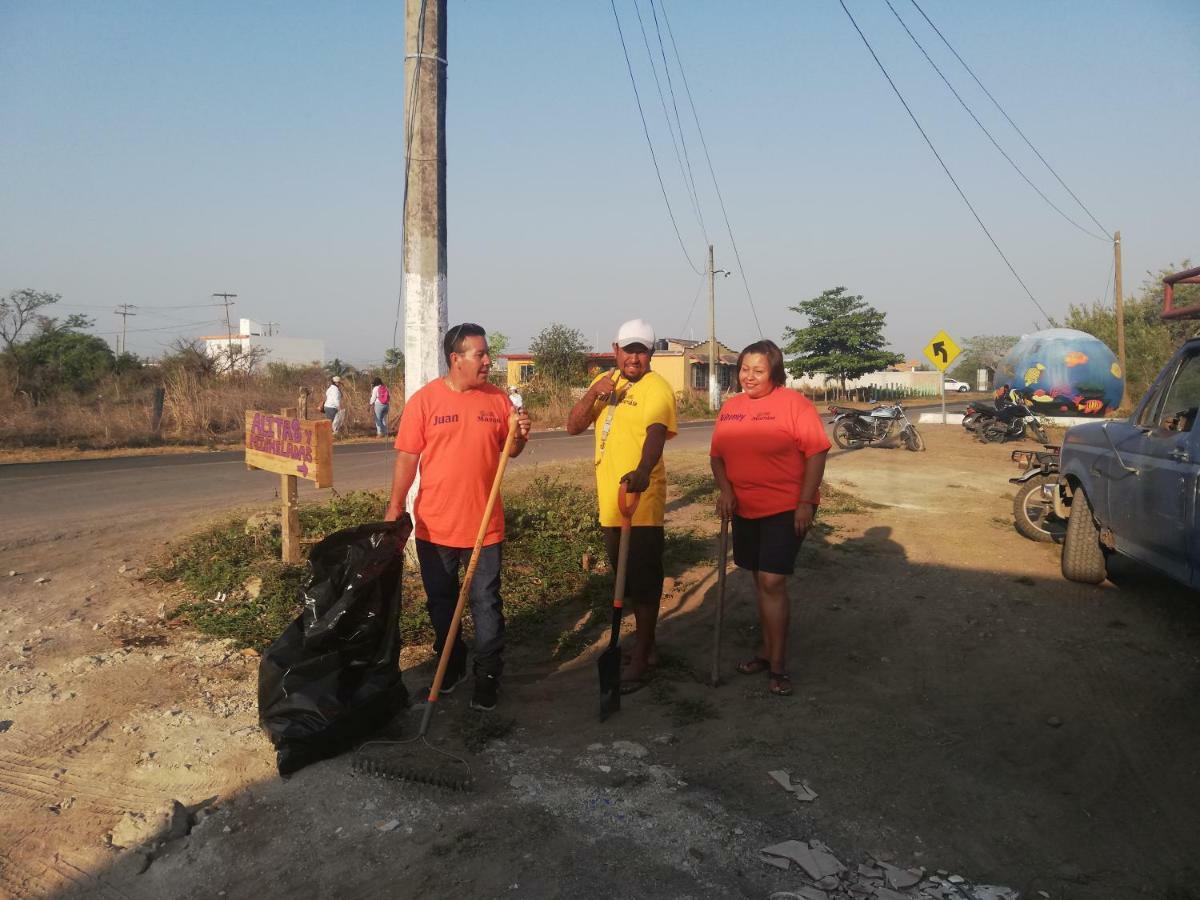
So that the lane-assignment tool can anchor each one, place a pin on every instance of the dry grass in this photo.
(198, 410)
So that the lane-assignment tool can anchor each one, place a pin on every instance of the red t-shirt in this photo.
(459, 436)
(764, 444)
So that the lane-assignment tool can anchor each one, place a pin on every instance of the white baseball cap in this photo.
(636, 331)
(336, 380)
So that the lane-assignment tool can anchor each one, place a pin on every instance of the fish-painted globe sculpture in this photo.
(1064, 372)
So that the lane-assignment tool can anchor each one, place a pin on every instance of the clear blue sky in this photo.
(154, 153)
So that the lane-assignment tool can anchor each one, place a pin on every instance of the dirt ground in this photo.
(958, 707)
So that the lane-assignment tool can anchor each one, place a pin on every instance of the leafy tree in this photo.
(982, 351)
(560, 354)
(843, 338)
(1149, 341)
(61, 358)
(19, 310)
(497, 343)
(393, 358)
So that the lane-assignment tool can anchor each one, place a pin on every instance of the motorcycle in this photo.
(1033, 506)
(855, 428)
(997, 424)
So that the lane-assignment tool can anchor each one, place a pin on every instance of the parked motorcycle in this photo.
(1033, 506)
(855, 428)
(1011, 423)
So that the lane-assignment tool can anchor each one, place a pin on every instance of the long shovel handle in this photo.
(465, 589)
(627, 503)
(722, 565)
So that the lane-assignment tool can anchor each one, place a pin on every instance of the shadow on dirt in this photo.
(1018, 730)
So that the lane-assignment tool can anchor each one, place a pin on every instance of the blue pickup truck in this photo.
(1131, 486)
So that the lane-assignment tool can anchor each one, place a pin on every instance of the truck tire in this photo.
(1031, 513)
(1082, 555)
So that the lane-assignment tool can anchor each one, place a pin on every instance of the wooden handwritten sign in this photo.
(290, 446)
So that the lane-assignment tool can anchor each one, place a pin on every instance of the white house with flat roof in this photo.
(256, 343)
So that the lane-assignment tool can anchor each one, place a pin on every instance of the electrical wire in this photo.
(712, 172)
(942, 162)
(412, 118)
(692, 308)
(1009, 119)
(689, 183)
(649, 143)
(983, 128)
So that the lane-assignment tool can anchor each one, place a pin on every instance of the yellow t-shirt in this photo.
(648, 401)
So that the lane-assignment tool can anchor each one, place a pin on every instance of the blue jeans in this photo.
(381, 414)
(439, 574)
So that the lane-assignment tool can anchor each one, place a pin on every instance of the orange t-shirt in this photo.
(459, 436)
(764, 444)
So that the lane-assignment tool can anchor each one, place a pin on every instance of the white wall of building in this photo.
(251, 340)
(819, 381)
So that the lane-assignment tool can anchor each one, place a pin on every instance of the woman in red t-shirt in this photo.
(768, 457)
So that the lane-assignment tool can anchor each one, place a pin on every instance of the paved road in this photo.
(42, 500)
(58, 498)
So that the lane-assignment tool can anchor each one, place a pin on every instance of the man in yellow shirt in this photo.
(634, 413)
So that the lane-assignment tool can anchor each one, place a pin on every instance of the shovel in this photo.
(720, 613)
(609, 663)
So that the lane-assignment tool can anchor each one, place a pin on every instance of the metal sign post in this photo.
(941, 351)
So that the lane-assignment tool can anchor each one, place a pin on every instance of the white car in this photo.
(953, 384)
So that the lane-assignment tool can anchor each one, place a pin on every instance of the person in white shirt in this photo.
(333, 402)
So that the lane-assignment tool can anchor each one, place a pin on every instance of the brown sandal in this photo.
(781, 684)
(754, 666)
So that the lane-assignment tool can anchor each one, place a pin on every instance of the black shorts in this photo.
(644, 570)
(768, 544)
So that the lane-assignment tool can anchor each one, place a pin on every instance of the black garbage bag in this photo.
(333, 676)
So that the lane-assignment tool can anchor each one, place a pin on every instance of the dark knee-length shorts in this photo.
(769, 544)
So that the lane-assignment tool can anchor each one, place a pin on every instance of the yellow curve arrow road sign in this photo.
(941, 351)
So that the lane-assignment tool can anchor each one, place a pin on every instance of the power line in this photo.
(983, 128)
(689, 186)
(712, 172)
(692, 308)
(941, 162)
(649, 143)
(1009, 119)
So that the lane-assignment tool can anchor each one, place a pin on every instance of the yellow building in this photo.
(684, 364)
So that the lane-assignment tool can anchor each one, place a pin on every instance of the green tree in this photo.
(1149, 341)
(982, 351)
(61, 358)
(843, 338)
(497, 343)
(560, 354)
(393, 359)
(19, 311)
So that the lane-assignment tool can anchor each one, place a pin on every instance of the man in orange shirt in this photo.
(455, 428)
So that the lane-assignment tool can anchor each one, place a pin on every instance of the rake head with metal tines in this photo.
(364, 765)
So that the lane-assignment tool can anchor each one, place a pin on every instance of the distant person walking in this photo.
(379, 406)
(768, 458)
(333, 402)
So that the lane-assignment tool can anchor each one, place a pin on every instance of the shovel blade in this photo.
(609, 667)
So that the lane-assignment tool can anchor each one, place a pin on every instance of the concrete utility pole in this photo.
(123, 310)
(425, 304)
(1119, 298)
(714, 378)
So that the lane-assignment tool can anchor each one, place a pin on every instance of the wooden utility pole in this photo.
(424, 291)
(1119, 297)
(227, 301)
(123, 310)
